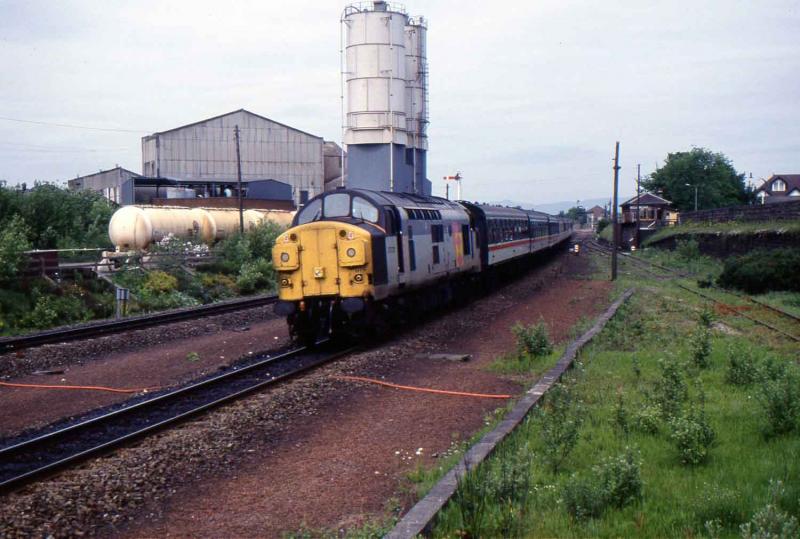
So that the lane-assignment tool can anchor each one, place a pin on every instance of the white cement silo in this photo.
(375, 74)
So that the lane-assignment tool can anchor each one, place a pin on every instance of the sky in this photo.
(527, 99)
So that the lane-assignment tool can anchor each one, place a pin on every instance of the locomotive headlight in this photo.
(358, 277)
(351, 252)
(284, 257)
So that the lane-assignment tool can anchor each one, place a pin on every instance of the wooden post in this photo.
(615, 216)
(239, 179)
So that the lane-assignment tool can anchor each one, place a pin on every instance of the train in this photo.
(356, 260)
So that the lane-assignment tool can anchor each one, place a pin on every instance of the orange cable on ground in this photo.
(423, 389)
(90, 388)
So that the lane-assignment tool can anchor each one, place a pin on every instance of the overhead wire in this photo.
(73, 126)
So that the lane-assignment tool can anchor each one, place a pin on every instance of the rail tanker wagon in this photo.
(356, 259)
(136, 227)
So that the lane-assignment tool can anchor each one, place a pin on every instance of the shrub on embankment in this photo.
(762, 271)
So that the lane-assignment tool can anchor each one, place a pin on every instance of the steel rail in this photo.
(84, 331)
(25, 461)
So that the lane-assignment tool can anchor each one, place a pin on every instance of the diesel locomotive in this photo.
(354, 260)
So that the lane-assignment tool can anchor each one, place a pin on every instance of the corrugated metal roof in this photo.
(229, 114)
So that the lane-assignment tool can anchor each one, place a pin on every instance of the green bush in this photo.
(57, 217)
(261, 239)
(670, 388)
(13, 244)
(159, 282)
(701, 347)
(622, 419)
(647, 419)
(742, 367)
(561, 417)
(621, 479)
(255, 276)
(149, 301)
(217, 286)
(692, 436)
(615, 482)
(583, 498)
(762, 271)
(770, 522)
(779, 397)
(532, 340)
(50, 311)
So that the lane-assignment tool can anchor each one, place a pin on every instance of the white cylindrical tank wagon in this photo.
(136, 227)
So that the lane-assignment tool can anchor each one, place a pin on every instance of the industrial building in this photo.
(115, 184)
(199, 160)
(386, 119)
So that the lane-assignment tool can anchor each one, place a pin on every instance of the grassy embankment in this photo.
(678, 423)
(730, 228)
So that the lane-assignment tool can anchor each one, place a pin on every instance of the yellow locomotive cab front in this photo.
(323, 259)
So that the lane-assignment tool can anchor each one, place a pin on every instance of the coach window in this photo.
(311, 212)
(363, 209)
(337, 205)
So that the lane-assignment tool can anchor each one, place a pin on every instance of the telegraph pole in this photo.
(638, 196)
(239, 179)
(614, 216)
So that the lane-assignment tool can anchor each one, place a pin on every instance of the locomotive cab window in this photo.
(363, 209)
(311, 212)
(337, 205)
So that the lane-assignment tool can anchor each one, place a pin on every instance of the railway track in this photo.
(47, 453)
(651, 268)
(91, 330)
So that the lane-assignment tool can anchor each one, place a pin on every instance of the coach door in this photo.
(394, 229)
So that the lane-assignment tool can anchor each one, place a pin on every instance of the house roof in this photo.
(228, 114)
(792, 183)
(648, 199)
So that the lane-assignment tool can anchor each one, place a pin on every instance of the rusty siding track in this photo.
(422, 516)
(743, 315)
(644, 264)
(97, 329)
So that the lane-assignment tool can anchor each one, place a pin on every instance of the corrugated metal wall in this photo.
(207, 151)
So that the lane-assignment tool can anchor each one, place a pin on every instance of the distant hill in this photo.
(555, 207)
